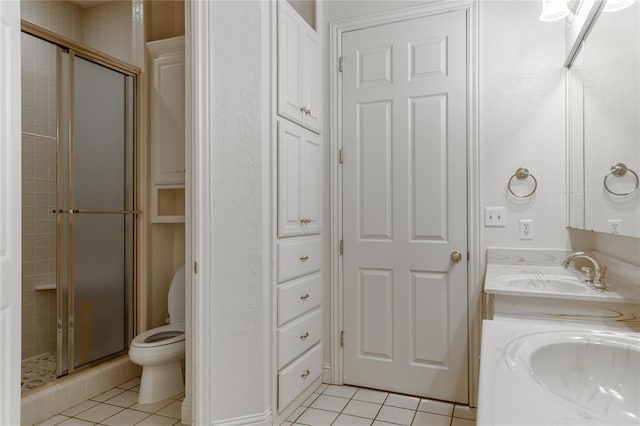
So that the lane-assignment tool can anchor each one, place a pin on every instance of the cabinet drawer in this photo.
(297, 376)
(298, 336)
(297, 297)
(297, 258)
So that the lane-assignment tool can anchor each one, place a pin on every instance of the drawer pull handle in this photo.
(305, 374)
(304, 336)
(304, 259)
(304, 297)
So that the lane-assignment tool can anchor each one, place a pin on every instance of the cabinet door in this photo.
(289, 63)
(311, 79)
(311, 182)
(168, 119)
(289, 145)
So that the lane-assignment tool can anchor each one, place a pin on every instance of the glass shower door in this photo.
(101, 217)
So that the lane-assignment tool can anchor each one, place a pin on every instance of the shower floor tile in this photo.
(38, 370)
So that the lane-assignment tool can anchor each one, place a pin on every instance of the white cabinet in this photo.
(167, 130)
(167, 111)
(299, 79)
(299, 180)
(298, 319)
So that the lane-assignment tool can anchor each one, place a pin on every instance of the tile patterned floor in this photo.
(352, 406)
(328, 405)
(119, 407)
(38, 370)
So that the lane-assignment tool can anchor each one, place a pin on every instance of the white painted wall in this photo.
(236, 177)
(521, 121)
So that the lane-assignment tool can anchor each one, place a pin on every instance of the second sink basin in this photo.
(554, 284)
(599, 371)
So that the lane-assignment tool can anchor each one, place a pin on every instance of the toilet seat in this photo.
(160, 351)
(160, 336)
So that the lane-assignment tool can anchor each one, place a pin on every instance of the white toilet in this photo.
(160, 350)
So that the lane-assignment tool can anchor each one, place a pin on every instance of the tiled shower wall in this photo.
(39, 176)
(108, 28)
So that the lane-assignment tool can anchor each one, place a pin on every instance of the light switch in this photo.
(494, 216)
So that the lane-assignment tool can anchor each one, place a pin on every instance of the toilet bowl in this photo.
(160, 350)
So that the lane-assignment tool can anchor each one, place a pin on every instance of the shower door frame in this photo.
(65, 364)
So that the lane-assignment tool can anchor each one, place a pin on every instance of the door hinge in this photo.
(342, 339)
(468, 256)
(341, 247)
(340, 63)
(195, 267)
(341, 156)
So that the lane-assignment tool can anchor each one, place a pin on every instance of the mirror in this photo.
(604, 124)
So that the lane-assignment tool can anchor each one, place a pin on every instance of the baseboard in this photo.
(327, 376)
(186, 412)
(260, 419)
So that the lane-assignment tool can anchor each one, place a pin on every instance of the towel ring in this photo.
(523, 173)
(618, 170)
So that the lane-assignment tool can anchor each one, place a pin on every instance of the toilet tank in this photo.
(176, 298)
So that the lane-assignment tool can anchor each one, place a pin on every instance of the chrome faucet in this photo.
(598, 279)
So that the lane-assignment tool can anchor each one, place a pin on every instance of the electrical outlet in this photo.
(526, 229)
(494, 216)
(615, 226)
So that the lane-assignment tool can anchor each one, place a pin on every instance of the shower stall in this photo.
(79, 208)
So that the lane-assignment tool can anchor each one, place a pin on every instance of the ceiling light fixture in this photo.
(615, 5)
(555, 10)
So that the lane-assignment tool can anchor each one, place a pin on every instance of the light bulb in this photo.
(554, 10)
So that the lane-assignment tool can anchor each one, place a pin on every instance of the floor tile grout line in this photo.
(345, 406)
(380, 409)
(104, 420)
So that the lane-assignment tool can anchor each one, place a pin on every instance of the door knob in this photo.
(456, 256)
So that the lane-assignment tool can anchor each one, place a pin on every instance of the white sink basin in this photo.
(599, 371)
(546, 283)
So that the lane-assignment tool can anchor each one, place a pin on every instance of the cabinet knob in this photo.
(304, 336)
(303, 109)
(308, 112)
(304, 259)
(304, 297)
(305, 374)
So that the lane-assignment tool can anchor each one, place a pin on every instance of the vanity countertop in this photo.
(509, 394)
(540, 282)
(537, 273)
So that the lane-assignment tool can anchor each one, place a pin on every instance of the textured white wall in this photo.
(241, 203)
(521, 122)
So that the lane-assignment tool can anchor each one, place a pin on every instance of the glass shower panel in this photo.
(99, 226)
(99, 137)
(99, 286)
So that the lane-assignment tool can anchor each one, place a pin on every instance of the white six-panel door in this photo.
(10, 213)
(405, 211)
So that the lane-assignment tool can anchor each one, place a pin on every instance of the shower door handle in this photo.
(76, 211)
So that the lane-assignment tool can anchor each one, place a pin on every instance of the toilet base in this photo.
(159, 382)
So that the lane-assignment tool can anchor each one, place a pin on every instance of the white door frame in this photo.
(199, 134)
(474, 279)
(10, 212)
